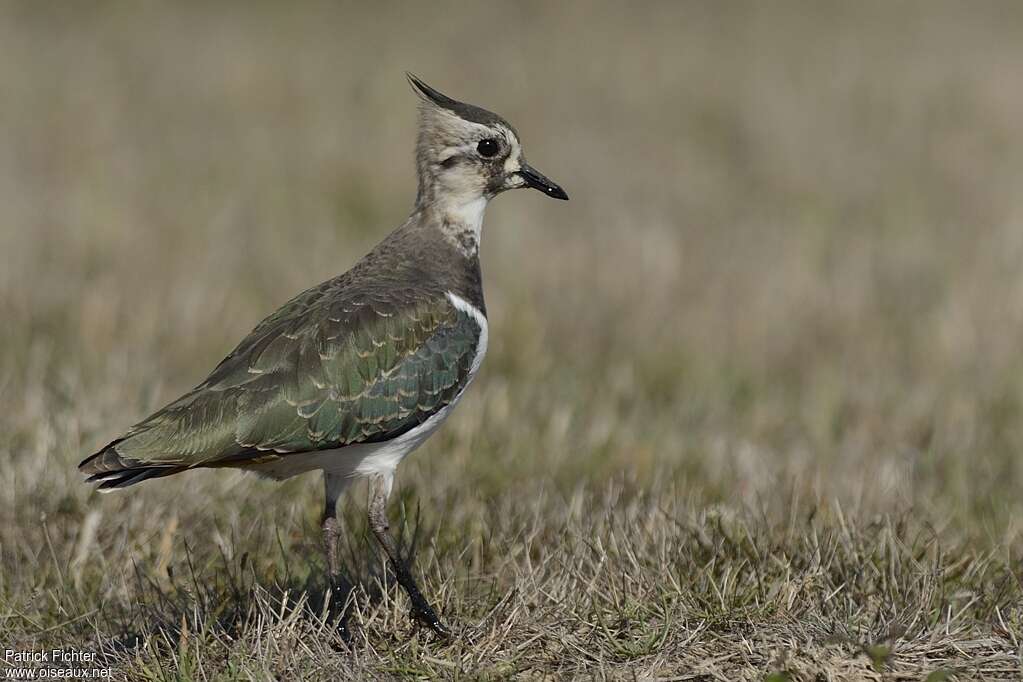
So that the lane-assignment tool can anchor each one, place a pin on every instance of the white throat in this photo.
(462, 223)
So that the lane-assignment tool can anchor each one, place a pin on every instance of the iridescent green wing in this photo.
(329, 373)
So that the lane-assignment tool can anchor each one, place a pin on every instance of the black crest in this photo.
(460, 109)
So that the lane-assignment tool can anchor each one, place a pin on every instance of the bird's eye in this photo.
(488, 147)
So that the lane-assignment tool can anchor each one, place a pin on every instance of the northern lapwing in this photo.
(352, 375)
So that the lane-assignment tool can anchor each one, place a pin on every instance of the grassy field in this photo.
(753, 404)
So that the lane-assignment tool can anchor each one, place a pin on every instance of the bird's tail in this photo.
(113, 472)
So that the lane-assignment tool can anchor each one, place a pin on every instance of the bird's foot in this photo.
(344, 634)
(422, 614)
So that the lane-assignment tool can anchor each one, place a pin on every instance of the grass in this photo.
(753, 400)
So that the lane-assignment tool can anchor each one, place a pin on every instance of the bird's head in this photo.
(469, 153)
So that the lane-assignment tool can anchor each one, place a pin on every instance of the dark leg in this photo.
(339, 591)
(380, 490)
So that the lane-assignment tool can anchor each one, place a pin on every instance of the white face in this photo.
(477, 160)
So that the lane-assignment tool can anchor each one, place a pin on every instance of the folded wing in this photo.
(322, 373)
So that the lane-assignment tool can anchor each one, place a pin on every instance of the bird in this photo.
(351, 375)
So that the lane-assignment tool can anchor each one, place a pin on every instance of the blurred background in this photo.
(790, 269)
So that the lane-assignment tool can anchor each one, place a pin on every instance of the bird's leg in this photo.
(339, 589)
(380, 490)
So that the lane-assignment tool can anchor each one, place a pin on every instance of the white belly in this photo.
(357, 460)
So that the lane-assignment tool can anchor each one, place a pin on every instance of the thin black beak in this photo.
(538, 180)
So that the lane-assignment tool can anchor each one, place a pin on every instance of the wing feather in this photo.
(321, 373)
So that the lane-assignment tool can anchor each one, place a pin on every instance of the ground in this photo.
(753, 405)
